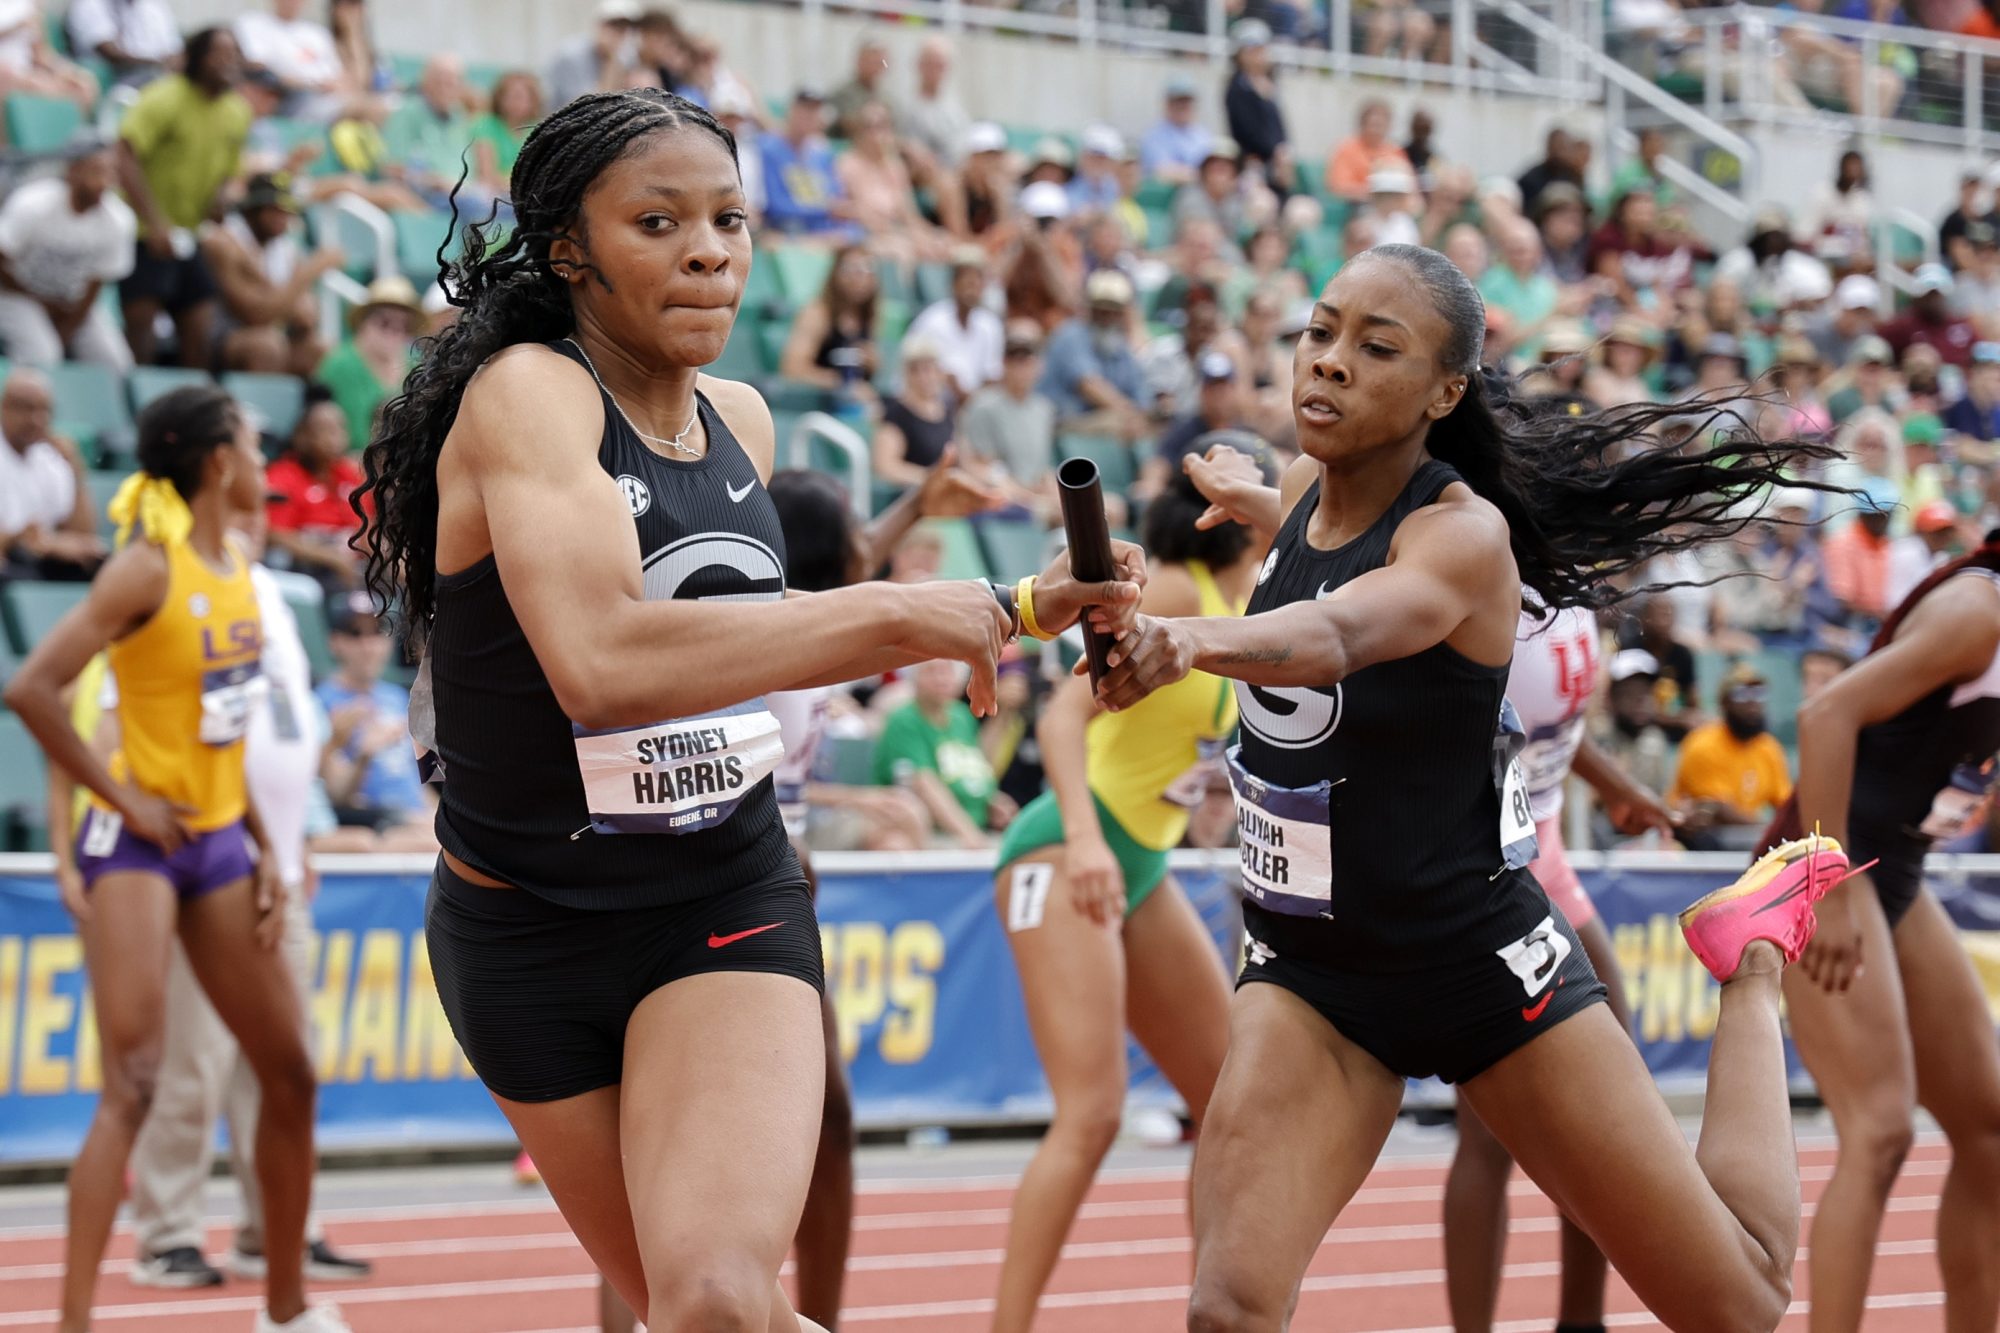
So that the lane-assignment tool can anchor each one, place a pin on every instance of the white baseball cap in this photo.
(985, 137)
(1104, 140)
(1631, 662)
(1858, 291)
(1045, 200)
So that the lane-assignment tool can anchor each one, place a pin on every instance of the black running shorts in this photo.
(539, 994)
(1451, 1022)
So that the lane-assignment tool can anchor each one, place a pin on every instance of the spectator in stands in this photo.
(1045, 273)
(934, 746)
(1797, 409)
(1363, 153)
(1976, 293)
(802, 195)
(61, 239)
(1975, 204)
(1175, 148)
(1095, 188)
(178, 146)
(968, 336)
(1770, 580)
(430, 137)
(28, 64)
(1978, 413)
(270, 309)
(1558, 165)
(497, 136)
(1933, 537)
(1844, 209)
(1857, 556)
(1644, 264)
(1267, 269)
(368, 369)
(878, 189)
(311, 492)
(1419, 150)
(1218, 193)
(1771, 272)
(139, 39)
(869, 86)
(661, 59)
(1051, 161)
(919, 421)
(1868, 381)
(1270, 331)
(1630, 731)
(1521, 287)
(48, 529)
(710, 82)
(593, 62)
(1653, 627)
(1836, 333)
(367, 72)
(935, 120)
(1641, 171)
(370, 767)
(1818, 665)
(1172, 361)
(1251, 101)
(1402, 24)
(1218, 406)
(832, 341)
(1560, 215)
(1093, 374)
(1393, 198)
(1930, 320)
(739, 115)
(1011, 425)
(1830, 67)
(301, 54)
(1617, 374)
(984, 192)
(1733, 774)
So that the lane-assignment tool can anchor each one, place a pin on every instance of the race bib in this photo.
(284, 718)
(1286, 842)
(1960, 807)
(1517, 816)
(227, 696)
(677, 777)
(1191, 787)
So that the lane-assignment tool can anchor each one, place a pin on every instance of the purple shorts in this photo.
(208, 861)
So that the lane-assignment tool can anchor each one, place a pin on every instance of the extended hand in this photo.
(1153, 653)
(1060, 599)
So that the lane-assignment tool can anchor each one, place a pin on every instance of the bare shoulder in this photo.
(1462, 530)
(131, 585)
(1960, 618)
(748, 417)
(527, 399)
(1298, 478)
(1170, 591)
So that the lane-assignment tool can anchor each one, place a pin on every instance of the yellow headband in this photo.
(153, 507)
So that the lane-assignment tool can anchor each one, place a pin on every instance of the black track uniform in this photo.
(1373, 815)
(648, 853)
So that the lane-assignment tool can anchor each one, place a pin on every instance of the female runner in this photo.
(164, 846)
(1896, 752)
(575, 522)
(1102, 935)
(1394, 930)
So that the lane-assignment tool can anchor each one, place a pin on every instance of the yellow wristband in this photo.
(1024, 601)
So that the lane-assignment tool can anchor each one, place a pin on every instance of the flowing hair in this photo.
(1591, 497)
(507, 293)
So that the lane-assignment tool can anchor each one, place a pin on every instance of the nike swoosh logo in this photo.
(1532, 1014)
(1324, 591)
(736, 496)
(1780, 901)
(716, 941)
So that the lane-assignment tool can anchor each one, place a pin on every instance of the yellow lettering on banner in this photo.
(46, 1013)
(10, 1007)
(1671, 992)
(89, 1056)
(430, 1052)
(862, 993)
(916, 953)
(329, 1002)
(373, 1019)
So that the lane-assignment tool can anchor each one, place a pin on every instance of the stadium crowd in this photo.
(959, 293)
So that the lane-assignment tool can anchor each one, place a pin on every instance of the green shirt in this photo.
(506, 140)
(1529, 300)
(427, 143)
(1635, 177)
(188, 144)
(910, 744)
(356, 389)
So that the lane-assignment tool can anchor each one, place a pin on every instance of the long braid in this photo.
(509, 293)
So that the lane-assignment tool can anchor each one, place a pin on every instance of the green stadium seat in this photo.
(1015, 548)
(146, 383)
(742, 358)
(23, 786)
(1156, 194)
(1116, 467)
(418, 236)
(1311, 177)
(772, 335)
(102, 486)
(801, 271)
(962, 557)
(405, 69)
(41, 124)
(308, 605)
(484, 74)
(933, 284)
(763, 297)
(9, 661)
(32, 608)
(90, 406)
(848, 760)
(278, 399)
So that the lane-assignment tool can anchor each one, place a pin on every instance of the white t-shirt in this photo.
(1910, 561)
(143, 29)
(278, 260)
(56, 252)
(36, 488)
(300, 51)
(1550, 684)
(282, 747)
(970, 352)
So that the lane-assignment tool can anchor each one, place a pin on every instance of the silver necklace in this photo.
(674, 443)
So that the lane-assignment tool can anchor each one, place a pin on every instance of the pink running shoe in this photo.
(525, 1170)
(1772, 901)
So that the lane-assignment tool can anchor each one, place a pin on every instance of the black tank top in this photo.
(1414, 813)
(513, 803)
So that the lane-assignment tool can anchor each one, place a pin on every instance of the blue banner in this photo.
(931, 1021)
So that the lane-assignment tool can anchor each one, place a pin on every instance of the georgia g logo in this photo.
(715, 567)
(1292, 717)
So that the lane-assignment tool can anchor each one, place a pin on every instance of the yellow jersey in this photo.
(187, 680)
(1136, 755)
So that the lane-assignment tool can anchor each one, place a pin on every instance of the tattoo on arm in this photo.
(1272, 656)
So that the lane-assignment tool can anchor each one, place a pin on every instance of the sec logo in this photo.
(637, 498)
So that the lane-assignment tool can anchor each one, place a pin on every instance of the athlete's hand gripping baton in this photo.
(1089, 534)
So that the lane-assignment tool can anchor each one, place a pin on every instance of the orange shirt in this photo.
(1751, 775)
(1857, 569)
(1348, 170)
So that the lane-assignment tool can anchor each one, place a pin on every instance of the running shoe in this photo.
(323, 1264)
(313, 1319)
(181, 1266)
(1772, 901)
(525, 1170)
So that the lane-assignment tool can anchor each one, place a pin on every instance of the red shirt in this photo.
(1952, 339)
(309, 504)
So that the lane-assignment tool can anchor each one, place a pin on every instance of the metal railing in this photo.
(845, 440)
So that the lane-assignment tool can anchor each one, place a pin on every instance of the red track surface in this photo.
(926, 1259)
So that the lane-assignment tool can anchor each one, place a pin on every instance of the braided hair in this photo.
(1589, 497)
(508, 293)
